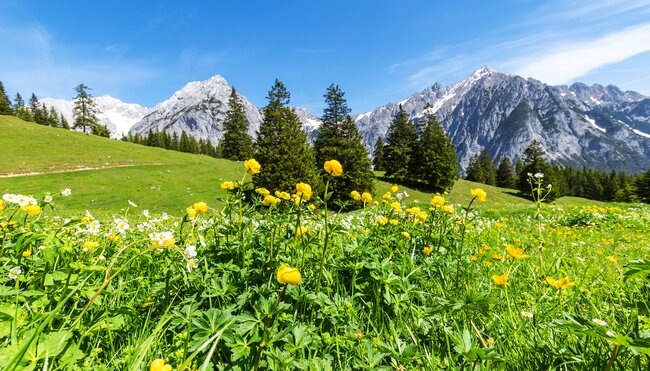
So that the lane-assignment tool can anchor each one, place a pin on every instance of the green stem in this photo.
(327, 234)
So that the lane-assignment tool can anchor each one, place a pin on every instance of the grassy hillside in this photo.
(154, 178)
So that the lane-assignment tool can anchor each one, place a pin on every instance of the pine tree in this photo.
(506, 176)
(475, 171)
(84, 109)
(20, 110)
(281, 146)
(642, 186)
(339, 139)
(435, 160)
(401, 139)
(53, 118)
(489, 170)
(5, 103)
(236, 144)
(534, 162)
(35, 110)
(64, 123)
(378, 155)
(18, 101)
(101, 130)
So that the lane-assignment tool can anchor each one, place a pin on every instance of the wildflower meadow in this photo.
(282, 279)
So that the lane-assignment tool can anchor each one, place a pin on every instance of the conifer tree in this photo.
(236, 144)
(101, 130)
(35, 110)
(475, 171)
(84, 109)
(64, 123)
(339, 139)
(506, 176)
(5, 103)
(378, 155)
(435, 160)
(281, 146)
(489, 170)
(53, 118)
(401, 139)
(20, 110)
(642, 186)
(534, 162)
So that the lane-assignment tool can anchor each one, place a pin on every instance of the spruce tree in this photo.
(489, 170)
(53, 118)
(506, 177)
(642, 186)
(64, 123)
(401, 139)
(378, 155)
(534, 162)
(5, 103)
(475, 171)
(281, 146)
(236, 144)
(339, 139)
(435, 160)
(21, 111)
(35, 110)
(84, 109)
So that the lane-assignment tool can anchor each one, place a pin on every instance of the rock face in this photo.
(118, 116)
(578, 125)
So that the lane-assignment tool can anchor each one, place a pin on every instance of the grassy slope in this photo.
(155, 179)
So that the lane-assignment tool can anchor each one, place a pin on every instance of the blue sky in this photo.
(377, 51)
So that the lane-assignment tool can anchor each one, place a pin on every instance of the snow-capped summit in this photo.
(118, 116)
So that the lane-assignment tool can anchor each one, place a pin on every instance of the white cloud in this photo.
(572, 60)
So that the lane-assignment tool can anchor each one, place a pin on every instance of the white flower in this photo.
(132, 203)
(66, 192)
(549, 186)
(599, 322)
(530, 174)
(25, 200)
(145, 212)
(164, 216)
(66, 221)
(191, 264)
(10, 197)
(202, 240)
(539, 175)
(93, 227)
(47, 199)
(526, 314)
(122, 225)
(611, 333)
(190, 251)
(162, 238)
(14, 272)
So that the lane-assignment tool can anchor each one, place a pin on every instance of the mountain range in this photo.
(578, 125)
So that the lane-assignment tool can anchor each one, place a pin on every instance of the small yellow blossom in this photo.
(200, 207)
(191, 212)
(304, 190)
(501, 280)
(160, 365)
(270, 200)
(252, 166)
(288, 275)
(333, 168)
(473, 258)
(301, 231)
(366, 198)
(386, 196)
(113, 237)
(479, 194)
(406, 234)
(89, 245)
(2, 205)
(599, 252)
(612, 259)
(283, 195)
(393, 222)
(355, 195)
(448, 209)
(496, 256)
(499, 225)
(27, 253)
(562, 283)
(515, 252)
(382, 220)
(228, 185)
(438, 200)
(262, 191)
(31, 209)
(426, 250)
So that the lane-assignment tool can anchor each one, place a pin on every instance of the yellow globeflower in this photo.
(89, 245)
(448, 209)
(262, 191)
(479, 194)
(227, 185)
(270, 200)
(427, 250)
(200, 207)
(355, 195)
(2, 205)
(438, 200)
(283, 195)
(191, 212)
(31, 209)
(406, 234)
(501, 280)
(159, 365)
(333, 168)
(394, 189)
(304, 190)
(288, 275)
(366, 198)
(382, 220)
(252, 166)
(301, 231)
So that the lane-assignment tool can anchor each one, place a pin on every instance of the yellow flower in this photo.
(422, 215)
(479, 194)
(304, 190)
(515, 252)
(301, 231)
(159, 365)
(473, 258)
(382, 220)
(386, 196)
(333, 168)
(562, 283)
(406, 234)
(262, 191)
(499, 225)
(612, 259)
(2, 205)
(427, 250)
(599, 252)
(200, 207)
(113, 237)
(270, 200)
(448, 209)
(31, 209)
(366, 198)
(396, 206)
(355, 195)
(283, 195)
(501, 280)
(496, 256)
(438, 200)
(89, 245)
(394, 188)
(191, 212)
(252, 166)
(227, 185)
(287, 274)
(27, 253)
(86, 219)
(393, 222)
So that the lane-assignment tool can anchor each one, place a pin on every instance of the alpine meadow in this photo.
(489, 221)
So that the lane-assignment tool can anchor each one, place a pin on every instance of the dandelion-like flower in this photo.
(89, 245)
(480, 194)
(382, 220)
(501, 280)
(562, 283)
(449, 209)
(427, 250)
(252, 166)
(333, 168)
(15, 272)
(31, 209)
(200, 207)
(283, 195)
(301, 231)
(515, 252)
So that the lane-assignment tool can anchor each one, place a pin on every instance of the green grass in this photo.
(153, 178)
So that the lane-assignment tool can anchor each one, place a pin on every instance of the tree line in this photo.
(182, 143)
